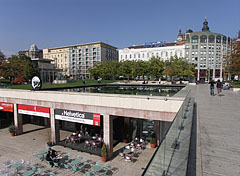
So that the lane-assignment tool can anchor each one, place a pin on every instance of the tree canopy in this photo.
(234, 66)
(17, 66)
(2, 57)
(155, 68)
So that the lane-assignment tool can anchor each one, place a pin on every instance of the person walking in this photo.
(219, 87)
(212, 87)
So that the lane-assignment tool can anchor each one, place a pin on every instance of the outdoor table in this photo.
(145, 132)
(96, 168)
(17, 165)
(28, 173)
(127, 151)
(75, 162)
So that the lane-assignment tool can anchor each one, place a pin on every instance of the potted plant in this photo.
(104, 153)
(12, 130)
(153, 141)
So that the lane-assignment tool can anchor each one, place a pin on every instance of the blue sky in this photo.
(121, 23)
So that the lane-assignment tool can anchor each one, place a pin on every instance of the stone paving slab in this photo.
(218, 132)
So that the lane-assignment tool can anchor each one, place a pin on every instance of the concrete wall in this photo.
(148, 107)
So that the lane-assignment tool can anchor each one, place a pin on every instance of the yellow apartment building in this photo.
(76, 59)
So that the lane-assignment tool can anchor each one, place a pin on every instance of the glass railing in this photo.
(171, 157)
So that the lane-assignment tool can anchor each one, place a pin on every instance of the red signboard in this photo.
(6, 107)
(34, 110)
(96, 119)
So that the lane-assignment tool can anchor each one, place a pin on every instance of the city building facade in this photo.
(47, 70)
(75, 60)
(207, 51)
(164, 50)
(33, 52)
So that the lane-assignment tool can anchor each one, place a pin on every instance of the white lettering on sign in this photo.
(74, 114)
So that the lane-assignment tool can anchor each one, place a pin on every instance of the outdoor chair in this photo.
(122, 154)
(94, 146)
(34, 168)
(52, 174)
(87, 144)
(98, 163)
(79, 158)
(75, 168)
(85, 159)
(67, 166)
(67, 140)
(106, 166)
(128, 158)
(40, 171)
(41, 157)
(56, 164)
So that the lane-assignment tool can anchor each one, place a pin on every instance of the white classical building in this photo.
(154, 49)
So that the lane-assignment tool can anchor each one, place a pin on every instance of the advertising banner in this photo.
(34, 110)
(77, 116)
(6, 107)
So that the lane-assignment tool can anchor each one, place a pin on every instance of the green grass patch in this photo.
(236, 84)
(4, 81)
(73, 84)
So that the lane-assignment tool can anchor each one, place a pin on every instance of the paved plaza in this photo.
(23, 147)
(217, 150)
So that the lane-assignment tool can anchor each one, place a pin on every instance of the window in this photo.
(218, 39)
(187, 59)
(193, 52)
(187, 46)
(134, 56)
(166, 54)
(224, 40)
(180, 53)
(186, 53)
(125, 56)
(138, 55)
(211, 39)
(194, 46)
(203, 39)
(130, 56)
(170, 53)
(195, 39)
(147, 54)
(121, 56)
(143, 55)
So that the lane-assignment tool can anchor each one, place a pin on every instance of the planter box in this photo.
(236, 89)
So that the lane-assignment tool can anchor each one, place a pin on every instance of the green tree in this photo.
(17, 66)
(156, 67)
(2, 57)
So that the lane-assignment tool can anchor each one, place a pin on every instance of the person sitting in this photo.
(52, 156)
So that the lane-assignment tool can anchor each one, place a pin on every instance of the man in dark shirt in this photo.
(212, 87)
(51, 156)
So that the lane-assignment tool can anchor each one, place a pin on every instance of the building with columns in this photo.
(207, 51)
(47, 70)
(76, 59)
